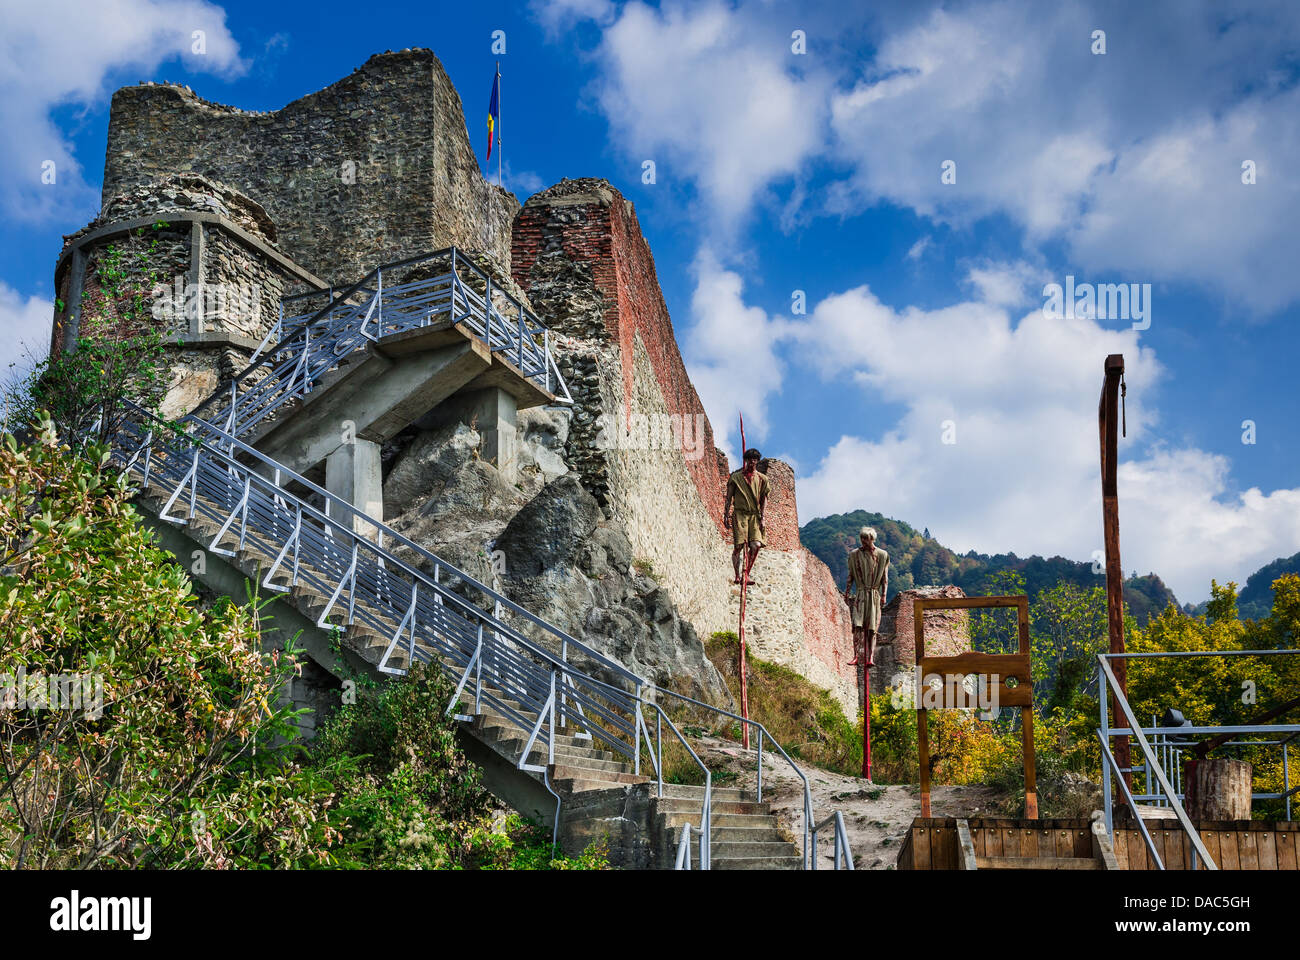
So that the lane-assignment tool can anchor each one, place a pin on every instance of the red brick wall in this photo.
(605, 235)
(781, 518)
(590, 223)
(946, 631)
(827, 625)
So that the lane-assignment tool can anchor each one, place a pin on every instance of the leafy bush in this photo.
(85, 593)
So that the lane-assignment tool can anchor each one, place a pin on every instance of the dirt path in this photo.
(875, 816)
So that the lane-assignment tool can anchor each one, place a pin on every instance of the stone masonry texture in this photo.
(214, 294)
(373, 168)
(946, 634)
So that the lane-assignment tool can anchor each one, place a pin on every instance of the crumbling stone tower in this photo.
(222, 276)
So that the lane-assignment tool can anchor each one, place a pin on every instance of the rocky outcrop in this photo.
(545, 543)
(569, 564)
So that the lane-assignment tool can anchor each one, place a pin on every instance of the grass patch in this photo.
(806, 720)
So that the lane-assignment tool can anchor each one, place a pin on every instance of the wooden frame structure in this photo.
(1005, 666)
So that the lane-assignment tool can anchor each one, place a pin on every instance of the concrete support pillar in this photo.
(497, 418)
(354, 472)
(493, 413)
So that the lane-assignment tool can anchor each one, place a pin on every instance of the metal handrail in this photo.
(1171, 752)
(841, 840)
(683, 861)
(1135, 731)
(1129, 799)
(339, 511)
(762, 731)
(229, 491)
(341, 338)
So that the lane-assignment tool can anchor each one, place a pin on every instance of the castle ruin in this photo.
(376, 168)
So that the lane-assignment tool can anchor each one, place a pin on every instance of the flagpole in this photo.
(499, 124)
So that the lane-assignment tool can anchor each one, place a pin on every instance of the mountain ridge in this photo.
(918, 560)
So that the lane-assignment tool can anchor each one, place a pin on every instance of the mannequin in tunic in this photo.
(746, 500)
(869, 573)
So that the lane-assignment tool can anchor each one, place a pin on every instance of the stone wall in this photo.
(643, 445)
(373, 168)
(946, 634)
(217, 277)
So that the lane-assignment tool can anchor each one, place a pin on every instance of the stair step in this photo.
(504, 732)
(691, 809)
(577, 753)
(566, 772)
(720, 820)
(582, 785)
(1038, 863)
(757, 834)
(744, 850)
(571, 762)
(757, 863)
(682, 791)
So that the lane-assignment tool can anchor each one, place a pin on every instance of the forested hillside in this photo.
(1256, 597)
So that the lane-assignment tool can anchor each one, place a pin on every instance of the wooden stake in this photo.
(1108, 429)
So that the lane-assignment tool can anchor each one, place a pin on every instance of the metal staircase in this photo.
(442, 287)
(563, 712)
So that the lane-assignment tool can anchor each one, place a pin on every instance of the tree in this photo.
(1068, 630)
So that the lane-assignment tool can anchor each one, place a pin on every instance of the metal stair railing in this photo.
(761, 732)
(683, 861)
(843, 856)
(1104, 735)
(368, 585)
(302, 533)
(308, 346)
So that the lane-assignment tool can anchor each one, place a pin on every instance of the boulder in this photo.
(571, 566)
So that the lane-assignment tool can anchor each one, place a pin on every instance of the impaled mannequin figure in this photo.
(869, 573)
(747, 493)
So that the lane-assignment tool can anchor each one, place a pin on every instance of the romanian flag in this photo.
(494, 111)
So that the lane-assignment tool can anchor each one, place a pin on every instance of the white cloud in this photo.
(731, 352)
(710, 94)
(1046, 133)
(24, 330)
(1019, 396)
(523, 183)
(1023, 474)
(1007, 284)
(61, 52)
(1127, 167)
(556, 16)
(916, 250)
(1131, 161)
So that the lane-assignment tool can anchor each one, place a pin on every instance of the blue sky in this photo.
(783, 166)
